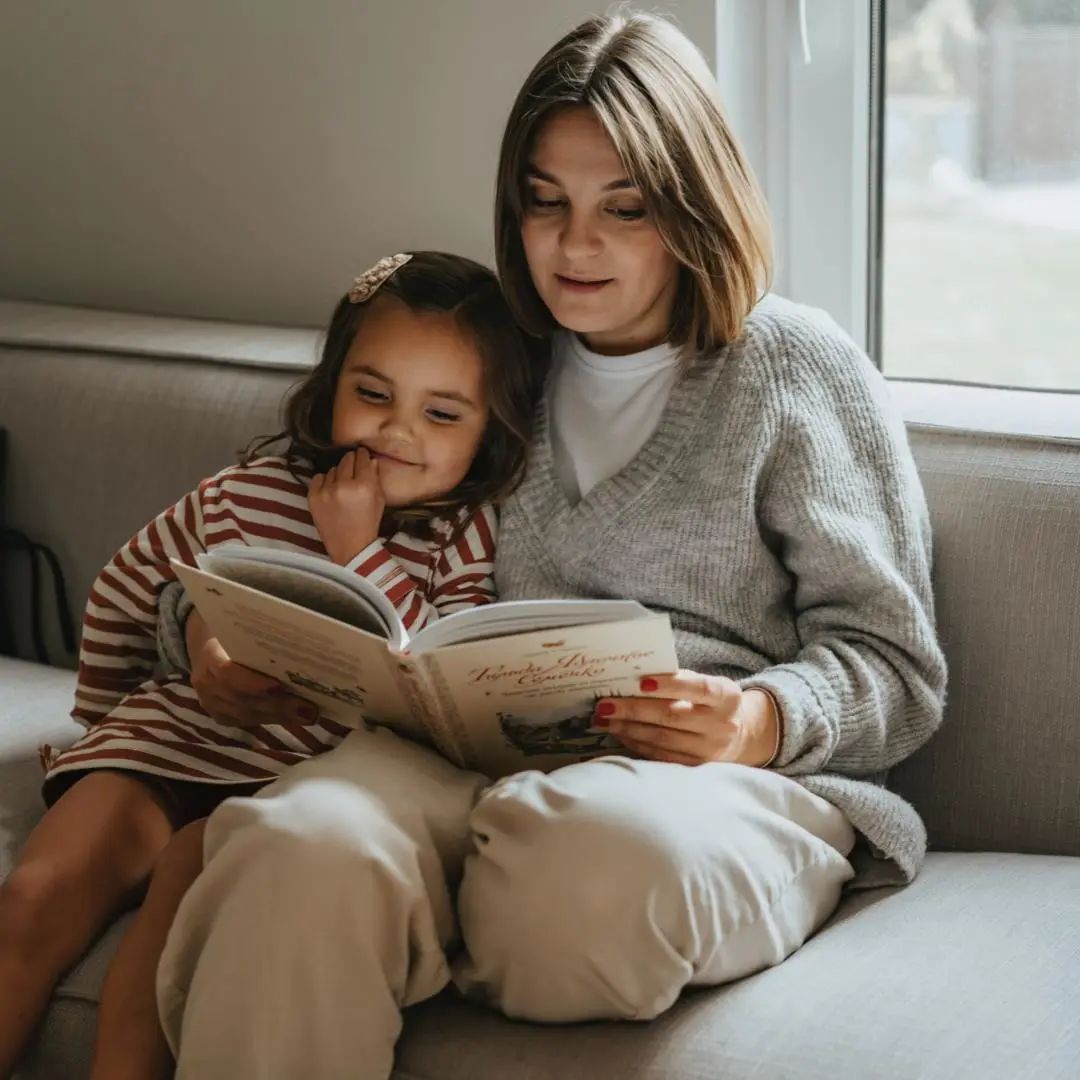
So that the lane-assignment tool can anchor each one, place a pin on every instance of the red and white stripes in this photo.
(152, 724)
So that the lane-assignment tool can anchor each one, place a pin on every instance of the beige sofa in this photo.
(972, 971)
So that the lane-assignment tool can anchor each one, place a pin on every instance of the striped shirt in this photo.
(139, 719)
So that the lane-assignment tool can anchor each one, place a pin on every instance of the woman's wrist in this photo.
(764, 728)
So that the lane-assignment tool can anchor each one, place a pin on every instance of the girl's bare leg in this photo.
(130, 1042)
(87, 860)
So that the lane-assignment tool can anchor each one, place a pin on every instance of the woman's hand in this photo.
(692, 719)
(347, 504)
(233, 694)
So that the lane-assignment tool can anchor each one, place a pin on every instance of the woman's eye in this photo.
(544, 204)
(627, 213)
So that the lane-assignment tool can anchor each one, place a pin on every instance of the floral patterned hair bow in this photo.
(369, 282)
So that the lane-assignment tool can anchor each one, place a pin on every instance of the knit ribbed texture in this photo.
(174, 607)
(776, 515)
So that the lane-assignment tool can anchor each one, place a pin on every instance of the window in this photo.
(921, 159)
(980, 258)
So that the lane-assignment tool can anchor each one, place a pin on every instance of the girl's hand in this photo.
(233, 694)
(692, 719)
(347, 504)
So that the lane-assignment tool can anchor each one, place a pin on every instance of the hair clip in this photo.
(368, 283)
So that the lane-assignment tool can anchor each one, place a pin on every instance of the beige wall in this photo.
(242, 159)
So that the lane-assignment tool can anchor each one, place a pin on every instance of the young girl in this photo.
(425, 384)
(729, 458)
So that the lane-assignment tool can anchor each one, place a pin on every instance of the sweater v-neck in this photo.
(541, 495)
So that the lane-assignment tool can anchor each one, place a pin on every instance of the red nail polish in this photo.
(605, 708)
(648, 685)
(600, 721)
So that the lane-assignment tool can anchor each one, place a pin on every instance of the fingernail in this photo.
(599, 721)
(605, 708)
(648, 685)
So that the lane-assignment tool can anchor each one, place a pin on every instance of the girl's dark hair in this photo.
(431, 281)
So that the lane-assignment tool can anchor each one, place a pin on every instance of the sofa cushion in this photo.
(65, 328)
(65, 1039)
(968, 972)
(1003, 772)
(34, 704)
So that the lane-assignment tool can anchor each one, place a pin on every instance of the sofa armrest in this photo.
(34, 706)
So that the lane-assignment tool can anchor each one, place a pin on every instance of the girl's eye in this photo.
(441, 417)
(371, 395)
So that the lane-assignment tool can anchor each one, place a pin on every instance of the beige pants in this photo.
(598, 891)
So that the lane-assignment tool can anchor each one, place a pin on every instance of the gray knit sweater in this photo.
(775, 514)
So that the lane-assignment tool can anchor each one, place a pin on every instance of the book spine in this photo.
(424, 703)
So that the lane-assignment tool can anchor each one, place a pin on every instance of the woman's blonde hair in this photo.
(654, 95)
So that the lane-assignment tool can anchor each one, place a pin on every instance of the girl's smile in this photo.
(390, 459)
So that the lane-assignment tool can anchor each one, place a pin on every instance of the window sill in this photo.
(1041, 414)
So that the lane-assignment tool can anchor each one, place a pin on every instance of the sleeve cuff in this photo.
(378, 566)
(174, 607)
(806, 740)
(373, 554)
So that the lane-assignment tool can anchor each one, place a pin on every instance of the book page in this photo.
(349, 673)
(526, 702)
(520, 616)
(297, 576)
(301, 587)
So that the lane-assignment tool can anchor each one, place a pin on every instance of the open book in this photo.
(498, 688)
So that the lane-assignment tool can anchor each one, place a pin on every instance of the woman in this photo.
(730, 459)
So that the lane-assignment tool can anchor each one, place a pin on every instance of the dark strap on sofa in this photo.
(7, 637)
(37, 557)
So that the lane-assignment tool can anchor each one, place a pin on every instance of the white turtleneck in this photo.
(604, 408)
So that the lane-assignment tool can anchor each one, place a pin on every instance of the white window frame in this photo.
(816, 177)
